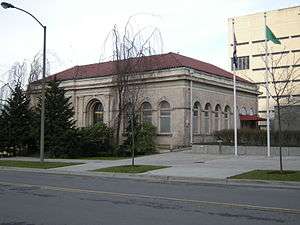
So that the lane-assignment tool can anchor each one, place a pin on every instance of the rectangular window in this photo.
(216, 123)
(225, 123)
(206, 125)
(195, 125)
(165, 123)
(242, 63)
(147, 116)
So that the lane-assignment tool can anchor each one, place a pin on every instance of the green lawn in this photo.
(130, 169)
(39, 165)
(287, 175)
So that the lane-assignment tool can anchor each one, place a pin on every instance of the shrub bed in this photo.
(90, 141)
(256, 137)
(144, 137)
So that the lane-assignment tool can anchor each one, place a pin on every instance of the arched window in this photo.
(227, 117)
(165, 117)
(146, 112)
(243, 111)
(207, 118)
(218, 117)
(196, 118)
(97, 110)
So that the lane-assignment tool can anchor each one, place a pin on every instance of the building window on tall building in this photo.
(207, 118)
(165, 117)
(146, 112)
(242, 63)
(196, 118)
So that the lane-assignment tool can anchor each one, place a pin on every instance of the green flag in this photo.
(271, 37)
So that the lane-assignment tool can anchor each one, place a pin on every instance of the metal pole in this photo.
(132, 137)
(235, 114)
(191, 106)
(267, 90)
(234, 105)
(42, 144)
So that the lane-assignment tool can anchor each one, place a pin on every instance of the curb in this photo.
(168, 179)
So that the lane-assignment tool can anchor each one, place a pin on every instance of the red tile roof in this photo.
(154, 62)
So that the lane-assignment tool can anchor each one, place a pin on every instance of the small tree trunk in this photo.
(119, 118)
(279, 136)
(118, 128)
(132, 142)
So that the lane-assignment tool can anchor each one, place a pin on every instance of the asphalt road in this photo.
(28, 198)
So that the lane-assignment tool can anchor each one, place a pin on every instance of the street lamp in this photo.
(6, 5)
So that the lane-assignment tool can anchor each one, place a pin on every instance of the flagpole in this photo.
(191, 107)
(234, 102)
(267, 89)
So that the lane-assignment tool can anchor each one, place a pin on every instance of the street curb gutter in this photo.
(167, 179)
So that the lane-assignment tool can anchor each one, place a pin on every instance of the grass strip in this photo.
(35, 164)
(288, 175)
(130, 169)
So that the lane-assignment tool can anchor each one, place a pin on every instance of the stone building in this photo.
(177, 88)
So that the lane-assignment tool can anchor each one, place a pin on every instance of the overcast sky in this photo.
(76, 30)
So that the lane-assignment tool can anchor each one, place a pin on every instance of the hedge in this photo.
(256, 137)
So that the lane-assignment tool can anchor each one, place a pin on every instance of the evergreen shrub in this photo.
(256, 137)
(144, 137)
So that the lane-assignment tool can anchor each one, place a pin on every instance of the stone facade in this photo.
(168, 86)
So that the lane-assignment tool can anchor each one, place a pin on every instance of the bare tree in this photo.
(4, 94)
(129, 51)
(4, 90)
(282, 72)
(18, 74)
(36, 69)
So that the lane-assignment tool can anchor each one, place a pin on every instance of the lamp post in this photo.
(6, 5)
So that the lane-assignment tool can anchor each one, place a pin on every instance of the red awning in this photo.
(251, 118)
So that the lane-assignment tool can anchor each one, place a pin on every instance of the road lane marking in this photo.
(119, 194)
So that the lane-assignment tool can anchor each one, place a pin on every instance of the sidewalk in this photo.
(186, 164)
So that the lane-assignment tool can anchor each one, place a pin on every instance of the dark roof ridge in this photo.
(112, 61)
(174, 55)
(155, 62)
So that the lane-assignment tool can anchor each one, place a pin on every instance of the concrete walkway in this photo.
(186, 164)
